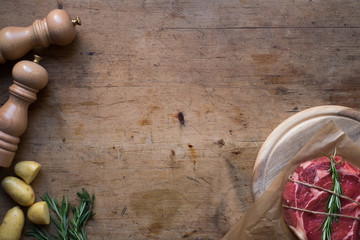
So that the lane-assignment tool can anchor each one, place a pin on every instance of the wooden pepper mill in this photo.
(29, 77)
(57, 28)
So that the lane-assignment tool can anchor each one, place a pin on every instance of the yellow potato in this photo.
(27, 170)
(12, 224)
(38, 213)
(18, 190)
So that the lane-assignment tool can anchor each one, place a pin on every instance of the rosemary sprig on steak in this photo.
(333, 205)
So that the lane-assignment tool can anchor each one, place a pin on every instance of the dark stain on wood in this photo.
(88, 103)
(148, 34)
(232, 171)
(181, 118)
(173, 163)
(159, 205)
(153, 109)
(79, 129)
(239, 117)
(146, 118)
(221, 142)
(236, 152)
(189, 234)
(123, 212)
(193, 154)
(295, 109)
(145, 122)
(286, 75)
(155, 228)
(282, 91)
(219, 219)
(277, 79)
(176, 15)
(264, 59)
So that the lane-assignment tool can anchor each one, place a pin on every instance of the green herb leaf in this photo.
(68, 229)
(333, 205)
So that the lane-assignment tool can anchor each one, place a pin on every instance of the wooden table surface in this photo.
(108, 119)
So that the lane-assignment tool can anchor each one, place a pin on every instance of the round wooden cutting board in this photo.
(284, 140)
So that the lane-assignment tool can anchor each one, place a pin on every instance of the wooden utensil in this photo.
(57, 28)
(29, 78)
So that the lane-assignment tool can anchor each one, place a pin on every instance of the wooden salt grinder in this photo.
(29, 77)
(57, 28)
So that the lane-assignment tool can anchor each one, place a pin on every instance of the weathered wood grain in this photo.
(108, 119)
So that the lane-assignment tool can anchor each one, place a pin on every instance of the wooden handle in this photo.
(29, 78)
(57, 28)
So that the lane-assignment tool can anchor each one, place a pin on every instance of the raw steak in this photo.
(308, 225)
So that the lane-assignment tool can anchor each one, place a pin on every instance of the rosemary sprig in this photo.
(333, 205)
(81, 215)
(73, 229)
(38, 233)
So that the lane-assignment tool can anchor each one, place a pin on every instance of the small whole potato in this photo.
(38, 213)
(18, 190)
(27, 170)
(12, 224)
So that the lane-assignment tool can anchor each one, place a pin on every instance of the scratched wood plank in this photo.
(109, 118)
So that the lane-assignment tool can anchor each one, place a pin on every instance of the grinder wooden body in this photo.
(57, 28)
(29, 77)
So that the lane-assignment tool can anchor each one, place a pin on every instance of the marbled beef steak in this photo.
(308, 225)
